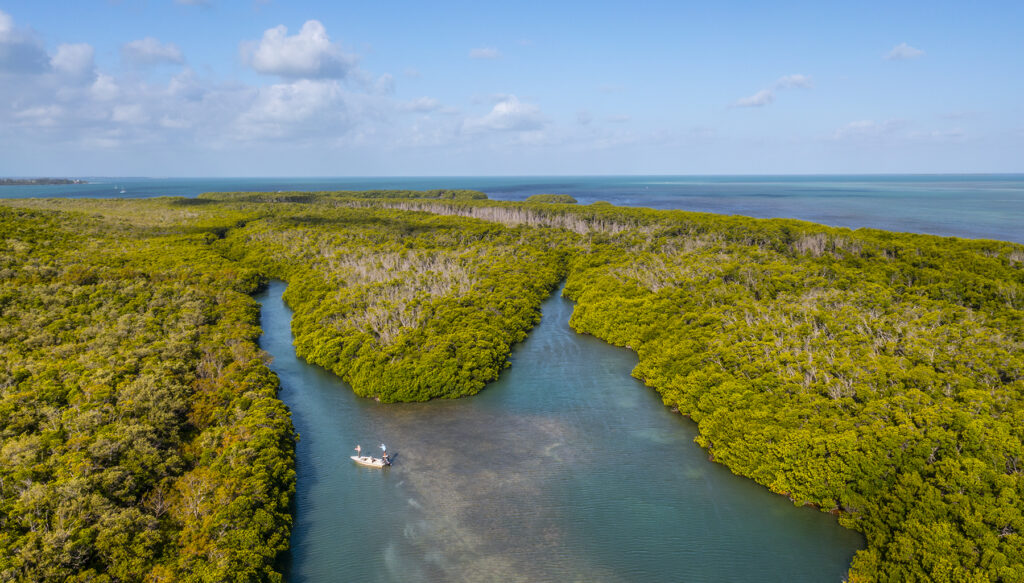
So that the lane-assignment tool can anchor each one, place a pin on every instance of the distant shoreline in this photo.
(39, 181)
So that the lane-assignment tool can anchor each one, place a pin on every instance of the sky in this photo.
(338, 88)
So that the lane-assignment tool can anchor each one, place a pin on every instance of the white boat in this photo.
(373, 462)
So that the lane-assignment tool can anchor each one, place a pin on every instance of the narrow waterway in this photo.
(565, 469)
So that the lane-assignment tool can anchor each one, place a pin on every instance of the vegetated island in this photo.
(39, 181)
(555, 198)
(878, 376)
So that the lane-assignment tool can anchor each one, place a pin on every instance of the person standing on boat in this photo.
(359, 450)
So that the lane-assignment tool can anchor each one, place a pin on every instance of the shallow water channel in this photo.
(565, 469)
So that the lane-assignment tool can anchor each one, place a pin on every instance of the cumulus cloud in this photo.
(796, 81)
(187, 85)
(321, 99)
(310, 54)
(902, 52)
(104, 88)
(150, 51)
(129, 113)
(20, 52)
(288, 108)
(484, 53)
(508, 115)
(767, 96)
(75, 60)
(759, 99)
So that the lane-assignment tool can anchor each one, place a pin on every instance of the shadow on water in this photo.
(565, 469)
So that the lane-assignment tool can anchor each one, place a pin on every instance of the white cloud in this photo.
(20, 52)
(796, 81)
(150, 51)
(484, 53)
(902, 52)
(40, 116)
(187, 85)
(76, 60)
(384, 85)
(174, 123)
(584, 117)
(89, 107)
(282, 109)
(619, 118)
(767, 96)
(759, 99)
(104, 88)
(508, 115)
(310, 54)
(130, 114)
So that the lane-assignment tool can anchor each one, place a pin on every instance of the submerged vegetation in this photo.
(875, 375)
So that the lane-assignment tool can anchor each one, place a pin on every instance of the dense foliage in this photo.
(140, 436)
(878, 376)
(403, 306)
(555, 198)
(325, 197)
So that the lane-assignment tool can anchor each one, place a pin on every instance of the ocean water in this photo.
(987, 206)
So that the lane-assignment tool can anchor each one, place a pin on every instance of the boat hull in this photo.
(365, 460)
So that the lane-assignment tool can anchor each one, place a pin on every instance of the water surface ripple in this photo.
(565, 469)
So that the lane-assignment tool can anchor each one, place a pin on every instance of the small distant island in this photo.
(552, 198)
(39, 181)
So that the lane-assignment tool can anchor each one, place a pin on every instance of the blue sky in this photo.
(334, 88)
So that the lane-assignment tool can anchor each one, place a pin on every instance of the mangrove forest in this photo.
(877, 376)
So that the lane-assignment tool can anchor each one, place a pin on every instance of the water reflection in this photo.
(566, 469)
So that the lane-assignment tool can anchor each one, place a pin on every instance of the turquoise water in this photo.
(975, 206)
(565, 469)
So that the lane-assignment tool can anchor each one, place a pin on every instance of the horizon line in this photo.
(602, 175)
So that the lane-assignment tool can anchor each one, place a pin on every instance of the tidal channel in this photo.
(565, 469)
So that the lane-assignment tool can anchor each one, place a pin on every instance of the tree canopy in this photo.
(875, 375)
